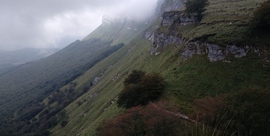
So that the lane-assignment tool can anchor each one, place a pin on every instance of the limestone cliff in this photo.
(171, 20)
(177, 17)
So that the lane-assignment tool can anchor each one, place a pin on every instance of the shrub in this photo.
(141, 89)
(139, 120)
(130, 96)
(134, 77)
(153, 84)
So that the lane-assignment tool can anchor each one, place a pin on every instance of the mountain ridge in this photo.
(191, 74)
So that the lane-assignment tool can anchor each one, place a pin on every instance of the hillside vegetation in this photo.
(36, 100)
(225, 22)
(186, 81)
(78, 91)
(23, 88)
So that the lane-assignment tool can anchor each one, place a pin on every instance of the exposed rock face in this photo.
(171, 18)
(216, 52)
(161, 40)
(95, 81)
(149, 35)
(177, 17)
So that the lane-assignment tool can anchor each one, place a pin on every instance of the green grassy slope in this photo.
(110, 85)
(185, 80)
(61, 68)
(118, 32)
(223, 22)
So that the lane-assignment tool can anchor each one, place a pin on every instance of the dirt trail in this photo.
(174, 113)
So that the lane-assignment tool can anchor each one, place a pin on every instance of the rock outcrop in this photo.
(95, 81)
(161, 40)
(214, 52)
(171, 17)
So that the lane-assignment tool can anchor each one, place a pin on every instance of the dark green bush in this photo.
(140, 88)
(130, 96)
(153, 86)
(134, 77)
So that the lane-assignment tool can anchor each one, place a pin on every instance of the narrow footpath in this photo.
(185, 117)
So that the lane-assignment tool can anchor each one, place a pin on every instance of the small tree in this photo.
(153, 84)
(140, 89)
(196, 8)
(134, 77)
(130, 96)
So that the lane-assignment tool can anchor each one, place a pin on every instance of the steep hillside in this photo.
(33, 89)
(186, 80)
(193, 70)
(98, 103)
(209, 69)
(224, 22)
(23, 88)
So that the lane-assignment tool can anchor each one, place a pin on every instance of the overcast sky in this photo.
(56, 23)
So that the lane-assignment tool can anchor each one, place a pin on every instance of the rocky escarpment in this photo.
(177, 17)
(214, 52)
(161, 39)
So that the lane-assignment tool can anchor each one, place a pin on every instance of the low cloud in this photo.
(50, 23)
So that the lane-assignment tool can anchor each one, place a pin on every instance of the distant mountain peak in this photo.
(107, 20)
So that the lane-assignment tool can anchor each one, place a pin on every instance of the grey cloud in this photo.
(50, 23)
